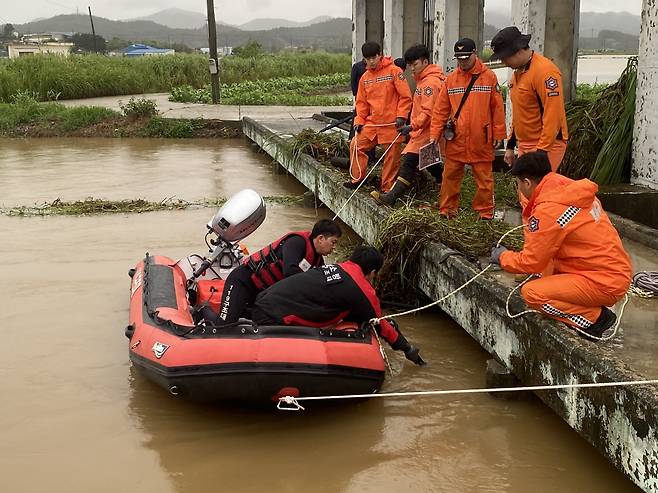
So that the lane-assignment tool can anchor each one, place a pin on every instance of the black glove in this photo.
(410, 352)
(358, 128)
(413, 355)
(405, 130)
(400, 122)
(495, 254)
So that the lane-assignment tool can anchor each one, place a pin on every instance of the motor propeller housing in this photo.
(240, 216)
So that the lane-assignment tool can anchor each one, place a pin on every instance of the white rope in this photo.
(355, 154)
(366, 178)
(451, 293)
(294, 401)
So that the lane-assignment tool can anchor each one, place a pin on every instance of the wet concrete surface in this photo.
(76, 413)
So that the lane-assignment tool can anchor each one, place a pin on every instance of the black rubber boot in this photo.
(606, 320)
(389, 198)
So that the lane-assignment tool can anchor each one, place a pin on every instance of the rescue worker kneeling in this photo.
(289, 255)
(566, 226)
(331, 293)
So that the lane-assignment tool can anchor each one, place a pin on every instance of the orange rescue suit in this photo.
(538, 113)
(481, 120)
(382, 97)
(566, 225)
(428, 87)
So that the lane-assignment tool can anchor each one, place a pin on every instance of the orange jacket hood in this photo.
(430, 71)
(559, 189)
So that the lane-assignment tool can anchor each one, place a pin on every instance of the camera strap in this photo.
(465, 96)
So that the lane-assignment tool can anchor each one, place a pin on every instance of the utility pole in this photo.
(93, 31)
(213, 63)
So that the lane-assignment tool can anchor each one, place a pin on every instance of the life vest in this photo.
(267, 266)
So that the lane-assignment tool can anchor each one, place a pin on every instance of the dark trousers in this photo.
(238, 295)
(261, 318)
(409, 168)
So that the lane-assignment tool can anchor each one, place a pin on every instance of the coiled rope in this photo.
(645, 284)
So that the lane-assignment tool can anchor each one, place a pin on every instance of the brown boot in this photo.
(389, 198)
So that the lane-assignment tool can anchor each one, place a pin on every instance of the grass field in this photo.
(54, 77)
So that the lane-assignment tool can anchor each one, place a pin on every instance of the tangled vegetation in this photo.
(92, 205)
(409, 229)
(320, 146)
(291, 91)
(600, 123)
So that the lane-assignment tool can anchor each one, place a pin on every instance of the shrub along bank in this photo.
(26, 117)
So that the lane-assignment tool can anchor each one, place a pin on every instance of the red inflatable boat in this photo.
(242, 362)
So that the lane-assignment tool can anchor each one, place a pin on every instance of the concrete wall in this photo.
(620, 422)
(645, 146)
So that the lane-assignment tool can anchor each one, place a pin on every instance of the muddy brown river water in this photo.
(74, 416)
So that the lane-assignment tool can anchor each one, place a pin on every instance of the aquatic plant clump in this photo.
(320, 146)
(601, 131)
(129, 206)
(407, 230)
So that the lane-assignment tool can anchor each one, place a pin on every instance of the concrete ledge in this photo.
(621, 423)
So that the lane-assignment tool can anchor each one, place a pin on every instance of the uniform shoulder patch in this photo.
(533, 224)
(401, 76)
(551, 83)
(497, 87)
(428, 91)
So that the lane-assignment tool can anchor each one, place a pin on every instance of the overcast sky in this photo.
(235, 11)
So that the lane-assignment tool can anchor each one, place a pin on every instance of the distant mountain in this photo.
(266, 24)
(176, 18)
(592, 22)
(332, 35)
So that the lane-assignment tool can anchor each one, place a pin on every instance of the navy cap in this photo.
(464, 48)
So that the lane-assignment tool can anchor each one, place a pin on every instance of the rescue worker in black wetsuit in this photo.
(289, 255)
(330, 293)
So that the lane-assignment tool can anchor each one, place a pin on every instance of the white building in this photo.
(53, 48)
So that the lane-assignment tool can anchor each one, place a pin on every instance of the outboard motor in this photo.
(240, 216)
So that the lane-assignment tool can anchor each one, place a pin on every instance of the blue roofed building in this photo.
(146, 50)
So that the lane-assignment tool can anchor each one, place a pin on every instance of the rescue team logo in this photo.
(159, 349)
(551, 83)
(533, 224)
(428, 91)
(498, 87)
(401, 76)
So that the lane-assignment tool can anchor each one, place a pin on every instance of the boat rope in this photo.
(511, 315)
(375, 321)
(383, 352)
(645, 284)
(291, 403)
(361, 182)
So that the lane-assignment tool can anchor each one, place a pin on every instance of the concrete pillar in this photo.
(412, 23)
(456, 19)
(367, 24)
(446, 33)
(554, 29)
(644, 170)
(561, 41)
(393, 27)
(358, 28)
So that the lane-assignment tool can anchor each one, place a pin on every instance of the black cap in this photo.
(464, 48)
(400, 62)
(508, 41)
